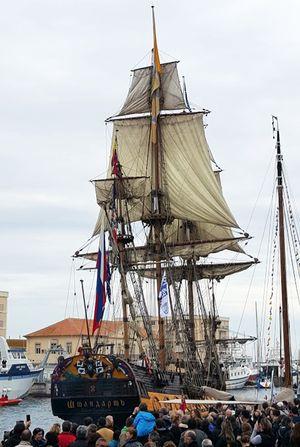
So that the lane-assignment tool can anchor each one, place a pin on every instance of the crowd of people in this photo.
(276, 425)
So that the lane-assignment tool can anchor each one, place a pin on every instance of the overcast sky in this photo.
(65, 67)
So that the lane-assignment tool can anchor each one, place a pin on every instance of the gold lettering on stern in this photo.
(70, 404)
(116, 403)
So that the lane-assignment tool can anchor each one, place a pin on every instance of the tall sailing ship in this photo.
(162, 179)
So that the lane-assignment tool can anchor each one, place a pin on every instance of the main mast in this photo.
(284, 295)
(156, 191)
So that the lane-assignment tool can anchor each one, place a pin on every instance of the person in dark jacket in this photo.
(131, 438)
(81, 437)
(164, 434)
(193, 425)
(15, 435)
(226, 437)
(51, 439)
(284, 432)
(262, 434)
(175, 429)
(189, 439)
(38, 438)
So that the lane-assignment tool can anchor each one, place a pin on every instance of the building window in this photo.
(38, 348)
(69, 347)
(1, 323)
(53, 344)
(1, 307)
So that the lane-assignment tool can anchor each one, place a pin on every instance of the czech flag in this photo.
(101, 284)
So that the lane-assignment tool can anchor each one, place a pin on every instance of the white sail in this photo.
(188, 181)
(138, 98)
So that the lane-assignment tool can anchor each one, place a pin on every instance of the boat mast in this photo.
(156, 192)
(121, 241)
(86, 315)
(257, 339)
(284, 295)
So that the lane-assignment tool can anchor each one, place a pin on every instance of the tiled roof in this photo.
(75, 326)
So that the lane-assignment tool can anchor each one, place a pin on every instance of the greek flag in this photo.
(164, 298)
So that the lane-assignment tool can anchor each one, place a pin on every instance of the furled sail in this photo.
(138, 98)
(129, 189)
(188, 182)
(202, 271)
(185, 250)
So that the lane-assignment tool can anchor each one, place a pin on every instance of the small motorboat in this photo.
(5, 401)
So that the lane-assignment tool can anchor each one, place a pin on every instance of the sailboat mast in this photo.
(284, 295)
(257, 339)
(118, 187)
(156, 196)
(191, 302)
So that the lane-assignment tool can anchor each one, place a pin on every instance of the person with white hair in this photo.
(206, 443)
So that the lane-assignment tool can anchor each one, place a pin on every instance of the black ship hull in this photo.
(105, 385)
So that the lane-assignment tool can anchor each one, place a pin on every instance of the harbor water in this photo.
(41, 414)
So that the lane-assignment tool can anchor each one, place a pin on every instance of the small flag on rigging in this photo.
(115, 165)
(164, 310)
(103, 286)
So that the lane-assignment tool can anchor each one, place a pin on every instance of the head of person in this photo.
(143, 407)
(55, 428)
(191, 423)
(189, 437)
(294, 411)
(160, 424)
(87, 421)
(101, 422)
(228, 412)
(19, 428)
(176, 419)
(206, 443)
(109, 421)
(26, 435)
(101, 442)
(81, 432)
(265, 426)
(154, 438)
(246, 428)
(131, 434)
(245, 416)
(92, 428)
(92, 439)
(129, 422)
(169, 444)
(66, 426)
(245, 440)
(38, 434)
(51, 438)
(275, 414)
(74, 427)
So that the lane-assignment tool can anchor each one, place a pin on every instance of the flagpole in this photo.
(86, 316)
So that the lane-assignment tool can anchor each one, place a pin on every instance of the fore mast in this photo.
(283, 279)
(158, 215)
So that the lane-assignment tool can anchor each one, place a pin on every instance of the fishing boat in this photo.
(164, 182)
(16, 372)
